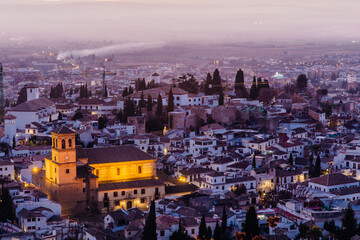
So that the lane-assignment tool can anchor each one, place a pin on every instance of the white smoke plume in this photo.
(113, 49)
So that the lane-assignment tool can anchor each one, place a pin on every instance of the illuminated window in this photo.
(139, 169)
(118, 171)
(63, 144)
(70, 142)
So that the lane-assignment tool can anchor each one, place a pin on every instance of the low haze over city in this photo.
(156, 120)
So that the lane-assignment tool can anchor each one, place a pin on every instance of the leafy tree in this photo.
(240, 190)
(266, 84)
(22, 96)
(251, 226)
(180, 234)
(216, 82)
(301, 82)
(327, 109)
(266, 95)
(149, 103)
(314, 233)
(291, 161)
(349, 223)
(170, 106)
(253, 92)
(188, 83)
(317, 170)
(77, 115)
(303, 229)
(149, 232)
(6, 206)
(102, 122)
(129, 108)
(331, 227)
(202, 229)
(221, 98)
(208, 82)
(154, 124)
(159, 106)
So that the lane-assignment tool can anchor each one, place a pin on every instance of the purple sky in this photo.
(181, 20)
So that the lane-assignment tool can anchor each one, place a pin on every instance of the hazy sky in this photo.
(181, 20)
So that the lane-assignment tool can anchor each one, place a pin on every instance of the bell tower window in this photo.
(70, 142)
(139, 169)
(63, 144)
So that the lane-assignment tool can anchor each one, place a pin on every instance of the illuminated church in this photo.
(106, 178)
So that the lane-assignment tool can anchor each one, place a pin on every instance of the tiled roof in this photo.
(33, 105)
(62, 130)
(131, 184)
(112, 154)
(333, 179)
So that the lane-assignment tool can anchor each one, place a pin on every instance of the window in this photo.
(118, 171)
(139, 169)
(63, 144)
(142, 200)
(162, 233)
(56, 143)
(143, 191)
(122, 193)
(67, 170)
(55, 169)
(135, 191)
(83, 190)
(193, 231)
(115, 194)
(70, 142)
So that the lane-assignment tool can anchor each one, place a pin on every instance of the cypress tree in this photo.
(149, 103)
(349, 223)
(6, 206)
(159, 106)
(253, 95)
(60, 116)
(317, 170)
(240, 89)
(22, 96)
(142, 101)
(208, 81)
(217, 232)
(149, 232)
(106, 91)
(202, 229)
(258, 86)
(221, 98)
(216, 82)
(251, 227)
(291, 161)
(125, 92)
(224, 221)
(131, 91)
(208, 233)
(254, 161)
(170, 106)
